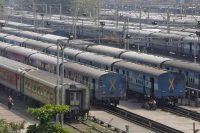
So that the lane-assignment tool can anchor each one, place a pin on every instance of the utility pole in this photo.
(195, 48)
(35, 15)
(50, 11)
(168, 21)
(60, 10)
(74, 19)
(140, 18)
(117, 12)
(148, 14)
(98, 23)
(127, 33)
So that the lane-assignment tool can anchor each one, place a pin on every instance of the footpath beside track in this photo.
(183, 112)
(145, 122)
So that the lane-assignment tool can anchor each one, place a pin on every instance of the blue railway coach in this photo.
(150, 81)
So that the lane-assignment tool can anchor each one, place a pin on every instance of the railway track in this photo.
(93, 125)
(140, 120)
(182, 112)
(83, 127)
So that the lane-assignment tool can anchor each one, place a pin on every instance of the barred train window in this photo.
(72, 96)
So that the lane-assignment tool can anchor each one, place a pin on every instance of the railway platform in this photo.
(17, 114)
(14, 116)
(196, 109)
(174, 121)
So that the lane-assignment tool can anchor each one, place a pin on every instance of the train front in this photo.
(171, 86)
(112, 88)
(77, 96)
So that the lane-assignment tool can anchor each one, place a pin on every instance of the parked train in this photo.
(176, 20)
(41, 86)
(105, 86)
(180, 43)
(142, 79)
(190, 70)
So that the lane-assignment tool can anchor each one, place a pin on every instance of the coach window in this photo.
(72, 96)
(123, 71)
(127, 73)
(117, 70)
(69, 73)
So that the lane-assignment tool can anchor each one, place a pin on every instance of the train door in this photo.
(93, 88)
(186, 78)
(198, 47)
(75, 99)
(152, 86)
(190, 48)
(144, 86)
(199, 82)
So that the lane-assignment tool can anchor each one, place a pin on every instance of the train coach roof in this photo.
(52, 38)
(165, 35)
(2, 35)
(183, 65)
(4, 45)
(16, 38)
(72, 52)
(80, 42)
(21, 50)
(38, 43)
(45, 58)
(145, 32)
(85, 70)
(101, 59)
(11, 30)
(30, 33)
(190, 39)
(51, 78)
(145, 58)
(106, 50)
(14, 65)
(140, 68)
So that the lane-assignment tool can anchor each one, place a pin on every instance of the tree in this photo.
(44, 115)
(85, 6)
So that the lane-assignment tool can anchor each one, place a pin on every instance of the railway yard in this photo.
(122, 69)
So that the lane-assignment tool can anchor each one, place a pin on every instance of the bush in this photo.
(49, 128)
(44, 115)
(6, 127)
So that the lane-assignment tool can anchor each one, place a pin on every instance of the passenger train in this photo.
(190, 70)
(105, 87)
(142, 79)
(41, 86)
(181, 42)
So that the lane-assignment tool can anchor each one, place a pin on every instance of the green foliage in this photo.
(10, 127)
(48, 128)
(44, 115)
